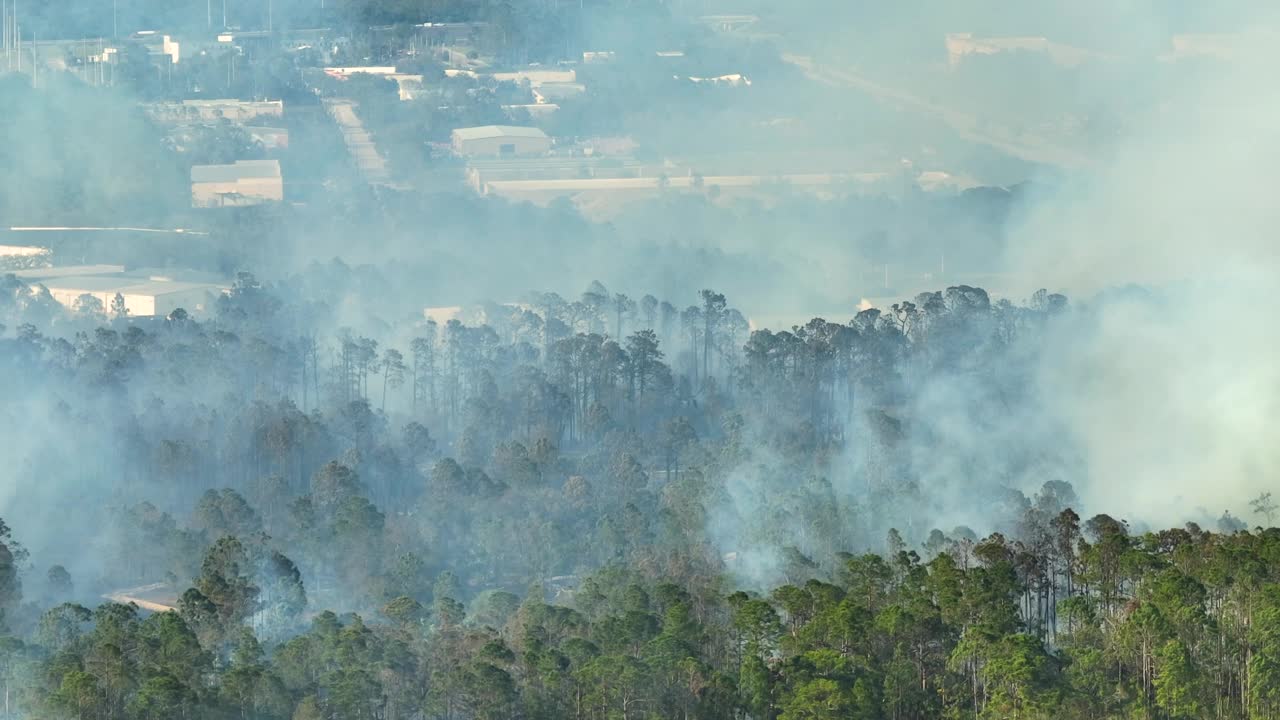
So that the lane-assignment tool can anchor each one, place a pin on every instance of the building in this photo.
(500, 141)
(408, 85)
(237, 111)
(536, 77)
(963, 45)
(161, 49)
(240, 184)
(145, 292)
(343, 73)
(553, 93)
(142, 298)
(269, 137)
(1253, 44)
(735, 80)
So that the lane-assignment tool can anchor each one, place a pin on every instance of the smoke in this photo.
(1153, 396)
(1152, 401)
(1169, 392)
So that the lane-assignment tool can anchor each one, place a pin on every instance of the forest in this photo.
(592, 507)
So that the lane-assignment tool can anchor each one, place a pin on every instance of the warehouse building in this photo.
(145, 292)
(142, 297)
(240, 184)
(500, 141)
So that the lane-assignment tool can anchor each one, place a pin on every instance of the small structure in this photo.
(552, 93)
(346, 72)
(161, 49)
(500, 141)
(270, 138)
(240, 184)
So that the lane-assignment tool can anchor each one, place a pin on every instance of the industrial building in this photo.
(554, 92)
(141, 297)
(145, 292)
(500, 141)
(240, 184)
(22, 257)
(237, 111)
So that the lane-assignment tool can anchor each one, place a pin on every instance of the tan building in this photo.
(500, 141)
(236, 111)
(142, 298)
(240, 184)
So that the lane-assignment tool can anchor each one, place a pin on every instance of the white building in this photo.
(145, 292)
(142, 298)
(242, 183)
(500, 141)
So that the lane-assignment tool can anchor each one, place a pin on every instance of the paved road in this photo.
(969, 127)
(372, 166)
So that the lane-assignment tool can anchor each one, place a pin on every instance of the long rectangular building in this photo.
(240, 184)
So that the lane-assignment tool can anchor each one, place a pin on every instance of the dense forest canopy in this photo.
(601, 506)
(815, 449)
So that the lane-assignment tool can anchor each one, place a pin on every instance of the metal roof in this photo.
(239, 170)
(498, 131)
(124, 286)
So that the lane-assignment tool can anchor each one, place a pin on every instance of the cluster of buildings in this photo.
(243, 182)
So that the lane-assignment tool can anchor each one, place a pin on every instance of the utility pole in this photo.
(115, 27)
(209, 13)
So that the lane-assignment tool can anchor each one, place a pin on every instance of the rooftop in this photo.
(38, 274)
(122, 285)
(218, 102)
(493, 131)
(239, 170)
